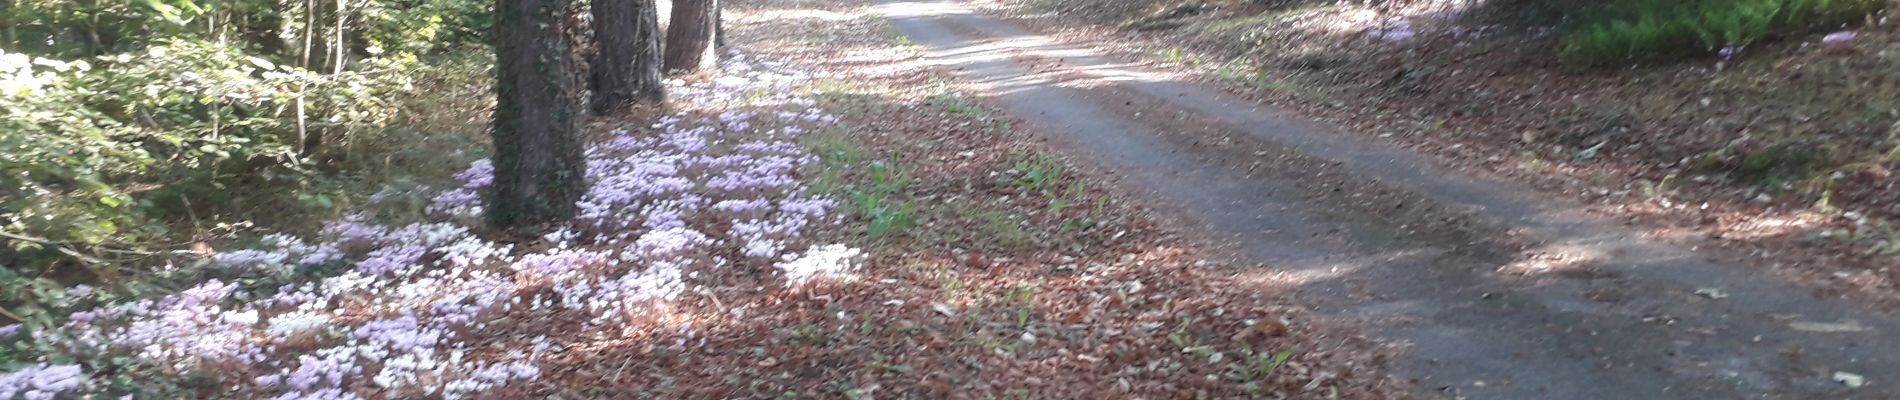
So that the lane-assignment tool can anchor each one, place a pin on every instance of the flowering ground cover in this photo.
(435, 309)
(827, 223)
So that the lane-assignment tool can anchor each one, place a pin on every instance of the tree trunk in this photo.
(342, 58)
(719, 26)
(626, 65)
(6, 30)
(539, 171)
(689, 36)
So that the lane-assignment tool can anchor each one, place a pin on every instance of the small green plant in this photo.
(1084, 223)
(878, 198)
(837, 156)
(1265, 363)
(900, 39)
(1059, 202)
(1037, 173)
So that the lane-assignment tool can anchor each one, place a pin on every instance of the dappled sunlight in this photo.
(1315, 272)
(1089, 69)
(1771, 224)
(1552, 259)
(780, 16)
(908, 9)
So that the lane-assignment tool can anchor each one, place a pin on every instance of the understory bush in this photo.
(1623, 30)
(113, 167)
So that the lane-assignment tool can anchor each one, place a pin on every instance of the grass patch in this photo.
(1036, 173)
(873, 190)
(878, 198)
(955, 104)
(1001, 230)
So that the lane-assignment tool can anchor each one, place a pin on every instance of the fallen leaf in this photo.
(1849, 379)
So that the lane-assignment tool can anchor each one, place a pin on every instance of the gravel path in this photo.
(1501, 292)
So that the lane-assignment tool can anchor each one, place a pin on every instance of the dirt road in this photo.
(1500, 292)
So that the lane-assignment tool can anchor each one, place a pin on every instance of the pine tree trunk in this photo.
(689, 36)
(539, 171)
(626, 65)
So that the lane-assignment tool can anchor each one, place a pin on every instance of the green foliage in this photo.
(1036, 173)
(1643, 29)
(428, 26)
(874, 191)
(135, 128)
(1043, 174)
(878, 198)
(56, 157)
(273, 28)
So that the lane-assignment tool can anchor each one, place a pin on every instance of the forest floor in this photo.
(911, 199)
(1499, 289)
(990, 267)
(824, 216)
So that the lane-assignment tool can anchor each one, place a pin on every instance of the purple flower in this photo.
(41, 382)
(479, 174)
(390, 259)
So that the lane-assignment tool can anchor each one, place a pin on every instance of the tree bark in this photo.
(539, 170)
(626, 65)
(689, 36)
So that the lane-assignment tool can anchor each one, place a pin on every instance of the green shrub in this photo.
(59, 157)
(1649, 29)
(111, 165)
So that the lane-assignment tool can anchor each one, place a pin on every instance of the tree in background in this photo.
(626, 66)
(539, 171)
(690, 36)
